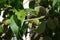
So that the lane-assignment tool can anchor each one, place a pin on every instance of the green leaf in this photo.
(57, 36)
(21, 16)
(31, 11)
(1, 29)
(32, 4)
(17, 4)
(54, 2)
(14, 26)
(58, 0)
(58, 7)
(47, 38)
(2, 1)
(41, 27)
(51, 23)
(37, 37)
(8, 35)
(40, 10)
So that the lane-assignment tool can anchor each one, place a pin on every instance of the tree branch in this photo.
(35, 18)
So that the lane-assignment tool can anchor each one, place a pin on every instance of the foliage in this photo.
(44, 15)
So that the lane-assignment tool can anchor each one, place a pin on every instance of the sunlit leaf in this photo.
(31, 11)
(54, 2)
(21, 16)
(14, 26)
(40, 10)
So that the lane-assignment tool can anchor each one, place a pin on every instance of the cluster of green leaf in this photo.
(44, 15)
(50, 24)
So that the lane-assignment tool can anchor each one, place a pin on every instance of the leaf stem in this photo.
(35, 18)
